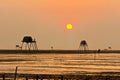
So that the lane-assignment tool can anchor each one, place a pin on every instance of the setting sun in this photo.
(69, 26)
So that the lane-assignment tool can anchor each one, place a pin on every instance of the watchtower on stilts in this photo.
(28, 43)
(83, 45)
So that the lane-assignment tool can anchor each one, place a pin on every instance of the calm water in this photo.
(59, 63)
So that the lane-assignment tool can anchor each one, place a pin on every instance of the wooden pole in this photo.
(94, 56)
(3, 76)
(37, 77)
(61, 77)
(26, 78)
(15, 72)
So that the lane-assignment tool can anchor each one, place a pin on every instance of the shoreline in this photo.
(59, 51)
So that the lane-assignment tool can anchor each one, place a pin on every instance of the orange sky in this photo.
(96, 21)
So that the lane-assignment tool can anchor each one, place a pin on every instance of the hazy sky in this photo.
(96, 21)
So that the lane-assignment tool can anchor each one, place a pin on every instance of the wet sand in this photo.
(70, 76)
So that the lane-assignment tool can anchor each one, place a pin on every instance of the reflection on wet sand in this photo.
(59, 63)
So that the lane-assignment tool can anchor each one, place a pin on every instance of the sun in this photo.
(69, 26)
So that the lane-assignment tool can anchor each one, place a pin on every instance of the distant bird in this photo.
(51, 47)
(109, 48)
(83, 45)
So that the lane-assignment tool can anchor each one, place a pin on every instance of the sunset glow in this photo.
(60, 23)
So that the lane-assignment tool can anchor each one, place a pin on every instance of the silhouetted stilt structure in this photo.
(28, 43)
(83, 45)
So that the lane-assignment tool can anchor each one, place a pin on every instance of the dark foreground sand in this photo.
(87, 76)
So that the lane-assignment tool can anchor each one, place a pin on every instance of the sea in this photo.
(59, 63)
